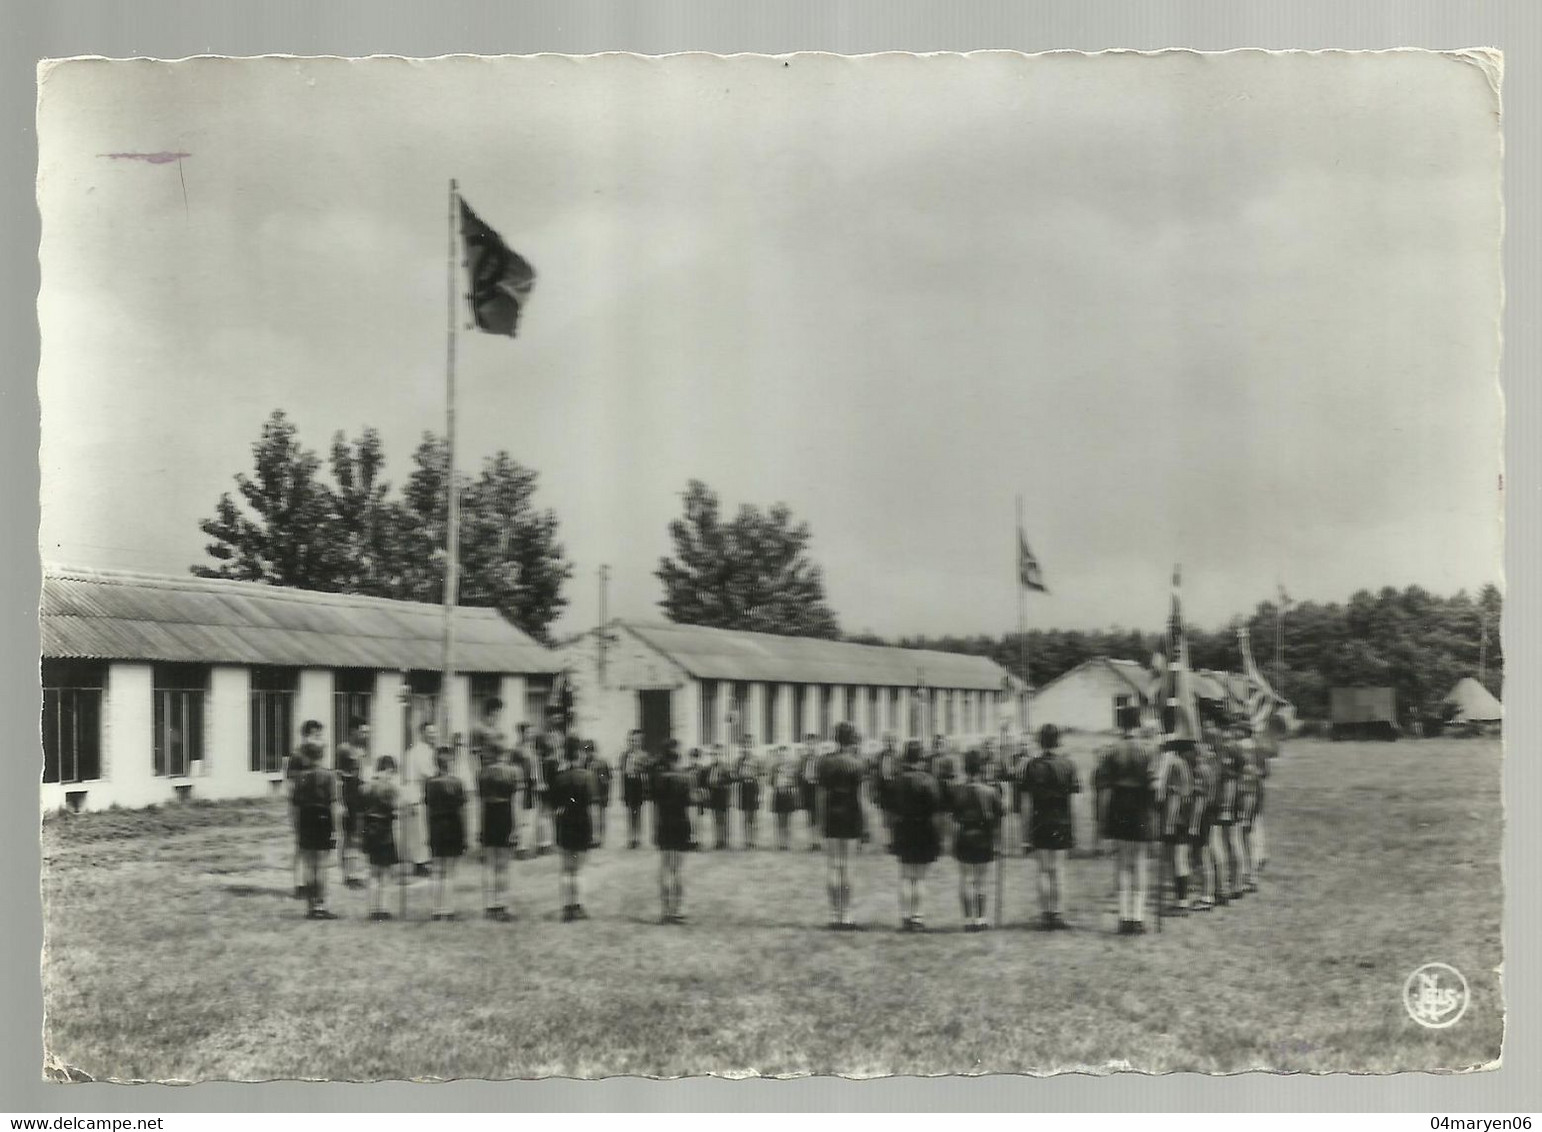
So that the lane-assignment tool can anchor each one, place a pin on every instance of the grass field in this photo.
(175, 951)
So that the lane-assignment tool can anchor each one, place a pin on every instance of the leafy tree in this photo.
(510, 558)
(297, 530)
(366, 531)
(751, 572)
(281, 535)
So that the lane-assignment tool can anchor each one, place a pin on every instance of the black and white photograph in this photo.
(771, 566)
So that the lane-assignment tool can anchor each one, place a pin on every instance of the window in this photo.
(872, 712)
(179, 691)
(1120, 703)
(272, 717)
(422, 705)
(708, 712)
(799, 698)
(353, 694)
(850, 714)
(826, 702)
(537, 693)
(769, 702)
(72, 719)
(893, 709)
(485, 686)
(741, 710)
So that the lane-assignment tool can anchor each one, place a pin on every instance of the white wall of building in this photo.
(385, 714)
(1082, 700)
(225, 771)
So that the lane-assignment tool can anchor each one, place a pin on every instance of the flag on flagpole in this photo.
(501, 278)
(1285, 598)
(1028, 574)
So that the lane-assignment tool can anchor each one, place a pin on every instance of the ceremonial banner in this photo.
(501, 278)
(1028, 574)
(1180, 719)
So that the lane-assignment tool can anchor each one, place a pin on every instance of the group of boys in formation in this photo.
(1192, 805)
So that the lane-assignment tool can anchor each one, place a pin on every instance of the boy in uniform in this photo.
(487, 738)
(352, 762)
(1175, 812)
(444, 801)
(671, 830)
(1124, 785)
(784, 794)
(839, 806)
(944, 769)
(633, 769)
(1049, 781)
(377, 832)
(599, 777)
(977, 811)
(1223, 845)
(310, 750)
(548, 750)
(917, 838)
(497, 783)
(719, 783)
(1249, 802)
(885, 776)
(571, 797)
(808, 785)
(747, 773)
(315, 795)
(1205, 772)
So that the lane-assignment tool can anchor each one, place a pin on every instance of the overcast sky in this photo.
(1239, 311)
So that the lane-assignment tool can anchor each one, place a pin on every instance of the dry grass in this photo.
(175, 952)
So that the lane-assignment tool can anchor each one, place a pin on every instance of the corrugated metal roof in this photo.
(729, 654)
(111, 615)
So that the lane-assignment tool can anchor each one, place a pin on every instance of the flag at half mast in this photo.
(1029, 575)
(501, 278)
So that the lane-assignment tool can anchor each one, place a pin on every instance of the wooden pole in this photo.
(452, 509)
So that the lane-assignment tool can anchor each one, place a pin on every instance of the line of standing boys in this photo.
(555, 787)
(1200, 802)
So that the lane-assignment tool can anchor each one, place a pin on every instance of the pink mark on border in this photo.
(162, 158)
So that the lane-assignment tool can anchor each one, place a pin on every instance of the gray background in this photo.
(170, 30)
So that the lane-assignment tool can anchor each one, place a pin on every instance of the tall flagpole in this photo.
(452, 511)
(1022, 621)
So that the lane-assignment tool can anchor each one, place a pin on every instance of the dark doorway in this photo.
(656, 722)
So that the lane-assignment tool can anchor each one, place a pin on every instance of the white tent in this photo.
(1474, 703)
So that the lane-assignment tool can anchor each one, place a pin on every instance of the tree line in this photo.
(289, 523)
(1418, 643)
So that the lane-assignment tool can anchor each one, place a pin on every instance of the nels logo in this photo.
(1436, 995)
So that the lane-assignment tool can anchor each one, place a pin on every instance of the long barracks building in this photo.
(157, 688)
(703, 685)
